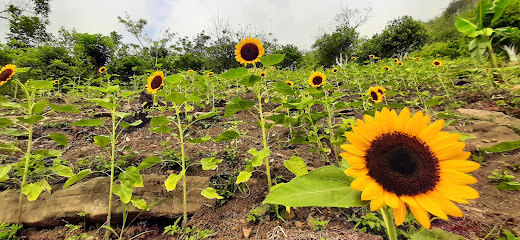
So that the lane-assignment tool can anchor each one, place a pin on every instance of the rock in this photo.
(495, 117)
(247, 232)
(243, 221)
(298, 224)
(288, 215)
(487, 134)
(92, 197)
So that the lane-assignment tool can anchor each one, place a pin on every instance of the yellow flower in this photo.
(386, 68)
(437, 63)
(262, 74)
(190, 72)
(380, 90)
(155, 81)
(249, 50)
(210, 74)
(6, 73)
(372, 56)
(400, 63)
(374, 93)
(396, 60)
(404, 161)
(405, 59)
(353, 58)
(378, 61)
(102, 70)
(317, 79)
(335, 70)
(417, 59)
(56, 81)
(290, 83)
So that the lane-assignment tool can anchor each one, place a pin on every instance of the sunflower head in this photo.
(403, 161)
(488, 69)
(405, 59)
(290, 83)
(353, 58)
(210, 74)
(6, 73)
(56, 81)
(380, 90)
(374, 93)
(155, 81)
(335, 70)
(396, 60)
(317, 79)
(437, 63)
(400, 63)
(190, 72)
(102, 70)
(386, 68)
(262, 74)
(417, 59)
(438, 55)
(379, 61)
(372, 56)
(249, 50)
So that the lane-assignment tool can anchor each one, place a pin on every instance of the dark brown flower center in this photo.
(374, 96)
(6, 74)
(380, 91)
(249, 52)
(290, 84)
(436, 63)
(402, 164)
(156, 82)
(317, 80)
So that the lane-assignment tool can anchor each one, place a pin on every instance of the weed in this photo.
(8, 231)
(504, 180)
(188, 234)
(318, 225)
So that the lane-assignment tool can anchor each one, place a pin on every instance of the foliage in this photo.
(8, 231)
(330, 46)
(293, 56)
(28, 22)
(452, 49)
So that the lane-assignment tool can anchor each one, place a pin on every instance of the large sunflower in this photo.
(403, 161)
(376, 94)
(155, 81)
(6, 73)
(249, 50)
(317, 79)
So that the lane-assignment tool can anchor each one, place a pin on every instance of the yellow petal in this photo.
(354, 172)
(456, 192)
(429, 203)
(459, 165)
(391, 199)
(377, 203)
(446, 205)
(442, 138)
(353, 160)
(357, 140)
(432, 130)
(404, 117)
(449, 150)
(456, 177)
(409, 200)
(352, 149)
(421, 215)
(371, 191)
(414, 123)
(361, 182)
(399, 213)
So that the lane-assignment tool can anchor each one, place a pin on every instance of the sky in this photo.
(298, 22)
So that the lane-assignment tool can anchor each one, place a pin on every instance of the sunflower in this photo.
(249, 50)
(417, 59)
(402, 160)
(438, 55)
(379, 61)
(400, 63)
(405, 59)
(262, 74)
(56, 81)
(375, 95)
(372, 56)
(102, 70)
(488, 69)
(437, 63)
(353, 58)
(290, 83)
(386, 68)
(191, 71)
(396, 60)
(380, 90)
(6, 73)
(210, 74)
(317, 79)
(335, 70)
(155, 81)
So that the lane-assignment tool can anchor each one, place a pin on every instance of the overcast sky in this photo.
(297, 22)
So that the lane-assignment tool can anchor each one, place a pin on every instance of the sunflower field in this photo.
(264, 141)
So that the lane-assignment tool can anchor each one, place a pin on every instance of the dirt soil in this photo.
(493, 211)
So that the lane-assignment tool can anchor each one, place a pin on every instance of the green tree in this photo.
(331, 46)
(28, 21)
(293, 56)
(94, 48)
(402, 35)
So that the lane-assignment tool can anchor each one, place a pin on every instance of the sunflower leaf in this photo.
(250, 80)
(237, 105)
(140, 203)
(161, 129)
(173, 79)
(502, 147)
(60, 138)
(172, 180)
(206, 115)
(131, 177)
(33, 190)
(66, 108)
(22, 70)
(41, 84)
(9, 147)
(101, 140)
(258, 156)
(272, 59)
(324, 187)
(38, 107)
(177, 98)
(78, 176)
(200, 140)
(128, 93)
(63, 171)
(5, 122)
(435, 234)
(296, 165)
(243, 176)
(124, 191)
(4, 170)
(30, 120)
(210, 163)
(210, 193)
(148, 162)
(104, 103)
(227, 135)
(284, 88)
(234, 73)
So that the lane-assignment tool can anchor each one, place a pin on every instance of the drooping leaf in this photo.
(206, 115)
(200, 140)
(124, 191)
(148, 162)
(172, 180)
(499, 7)
(234, 73)
(502, 147)
(40, 84)
(14, 132)
(243, 176)
(435, 234)
(140, 203)
(258, 156)
(88, 122)
(466, 27)
(5, 122)
(4, 170)
(227, 135)
(272, 59)
(210, 163)
(63, 171)
(284, 88)
(210, 193)
(9, 147)
(22, 70)
(39, 107)
(132, 177)
(33, 190)
(126, 125)
(236, 105)
(159, 121)
(78, 176)
(161, 129)
(123, 114)
(324, 187)
(296, 165)
(66, 108)
(60, 138)
(104, 103)
(101, 140)
(30, 120)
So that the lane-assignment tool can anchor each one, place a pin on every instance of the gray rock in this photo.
(484, 131)
(491, 116)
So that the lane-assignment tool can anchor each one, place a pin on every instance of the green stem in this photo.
(264, 137)
(112, 163)
(388, 218)
(444, 86)
(183, 165)
(30, 100)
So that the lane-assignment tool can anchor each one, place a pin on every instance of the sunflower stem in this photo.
(183, 166)
(112, 164)
(264, 136)
(388, 218)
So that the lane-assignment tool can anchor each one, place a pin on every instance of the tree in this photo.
(330, 46)
(96, 48)
(27, 23)
(401, 36)
(293, 56)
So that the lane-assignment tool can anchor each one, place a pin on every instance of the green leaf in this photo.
(14, 132)
(210, 163)
(125, 94)
(171, 181)
(200, 140)
(464, 136)
(483, 9)
(22, 70)
(272, 59)
(39, 107)
(10, 105)
(258, 156)
(281, 119)
(101, 140)
(78, 176)
(502, 147)
(104, 103)
(466, 27)
(234, 73)
(148, 162)
(243, 176)
(510, 186)
(436, 100)
(66, 108)
(284, 88)
(4, 122)
(227, 135)
(499, 7)
(140, 203)
(33, 190)
(296, 165)
(173, 79)
(123, 114)
(88, 122)
(41, 84)
(131, 177)
(210, 193)
(177, 98)
(435, 234)
(206, 115)
(250, 80)
(9, 147)
(194, 99)
(124, 191)
(125, 124)
(161, 129)
(236, 105)
(159, 121)
(60, 138)
(30, 120)
(63, 171)
(324, 187)
(4, 170)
